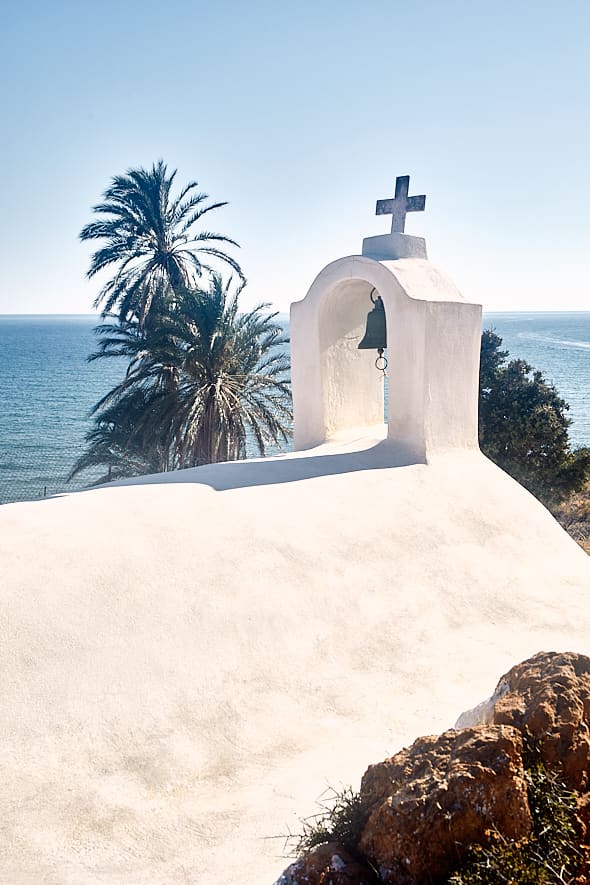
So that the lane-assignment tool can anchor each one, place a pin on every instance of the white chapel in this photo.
(189, 659)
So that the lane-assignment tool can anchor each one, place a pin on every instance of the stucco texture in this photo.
(189, 660)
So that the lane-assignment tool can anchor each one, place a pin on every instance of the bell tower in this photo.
(433, 340)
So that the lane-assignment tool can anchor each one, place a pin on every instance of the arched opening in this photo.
(433, 356)
(353, 389)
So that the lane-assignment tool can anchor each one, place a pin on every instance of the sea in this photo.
(48, 388)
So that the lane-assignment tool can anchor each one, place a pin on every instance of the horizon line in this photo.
(97, 316)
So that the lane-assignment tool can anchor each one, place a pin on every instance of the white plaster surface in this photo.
(394, 245)
(188, 660)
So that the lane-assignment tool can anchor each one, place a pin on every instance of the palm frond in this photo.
(143, 231)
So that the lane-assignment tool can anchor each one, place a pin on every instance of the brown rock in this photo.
(549, 695)
(583, 815)
(328, 864)
(583, 821)
(434, 799)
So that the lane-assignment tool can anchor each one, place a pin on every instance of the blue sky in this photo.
(301, 116)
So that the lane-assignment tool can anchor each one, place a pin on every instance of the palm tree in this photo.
(120, 444)
(150, 238)
(203, 382)
(233, 378)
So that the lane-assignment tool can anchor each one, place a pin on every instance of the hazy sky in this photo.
(301, 115)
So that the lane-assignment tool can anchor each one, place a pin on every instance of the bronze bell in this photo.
(376, 333)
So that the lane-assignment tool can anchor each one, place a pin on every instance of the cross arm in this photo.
(414, 204)
(384, 207)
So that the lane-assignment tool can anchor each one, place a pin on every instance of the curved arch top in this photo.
(433, 338)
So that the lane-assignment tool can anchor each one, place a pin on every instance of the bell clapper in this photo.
(381, 363)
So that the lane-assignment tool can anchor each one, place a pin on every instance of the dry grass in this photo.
(574, 516)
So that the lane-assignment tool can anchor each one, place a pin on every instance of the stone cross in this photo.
(401, 204)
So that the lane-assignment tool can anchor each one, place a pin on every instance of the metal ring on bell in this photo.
(381, 362)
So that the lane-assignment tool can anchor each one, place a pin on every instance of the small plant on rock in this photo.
(342, 818)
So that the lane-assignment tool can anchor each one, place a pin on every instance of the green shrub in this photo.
(342, 818)
(549, 856)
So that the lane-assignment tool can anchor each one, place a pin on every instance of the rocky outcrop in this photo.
(548, 696)
(427, 805)
(443, 794)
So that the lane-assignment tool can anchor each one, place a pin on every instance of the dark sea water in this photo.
(46, 392)
(47, 388)
(559, 345)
